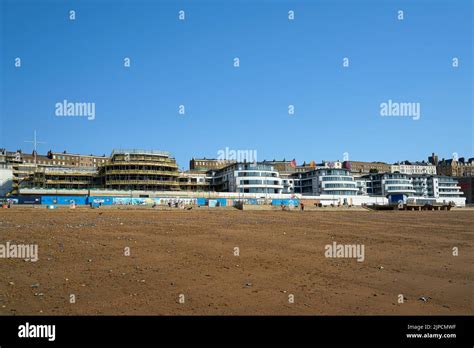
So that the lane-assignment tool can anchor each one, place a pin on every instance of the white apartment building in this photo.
(395, 186)
(433, 186)
(325, 181)
(288, 183)
(414, 168)
(246, 178)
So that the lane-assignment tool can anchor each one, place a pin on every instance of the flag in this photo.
(293, 163)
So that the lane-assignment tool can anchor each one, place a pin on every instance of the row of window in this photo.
(390, 182)
(257, 174)
(59, 163)
(338, 192)
(400, 188)
(338, 178)
(75, 158)
(258, 190)
(259, 182)
(340, 186)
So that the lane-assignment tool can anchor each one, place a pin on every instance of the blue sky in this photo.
(283, 62)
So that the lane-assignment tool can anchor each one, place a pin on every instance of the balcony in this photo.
(140, 171)
(141, 182)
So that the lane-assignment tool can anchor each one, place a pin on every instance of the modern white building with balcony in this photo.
(395, 186)
(246, 178)
(418, 189)
(325, 181)
(442, 188)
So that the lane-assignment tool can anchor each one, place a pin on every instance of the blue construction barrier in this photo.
(100, 200)
(212, 202)
(29, 200)
(111, 200)
(49, 200)
(286, 202)
(201, 201)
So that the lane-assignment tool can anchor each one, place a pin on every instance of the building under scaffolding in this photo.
(64, 178)
(193, 181)
(140, 170)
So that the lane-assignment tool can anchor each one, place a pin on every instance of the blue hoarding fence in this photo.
(111, 200)
(63, 200)
(286, 202)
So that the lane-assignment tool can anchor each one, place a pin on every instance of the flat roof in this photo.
(140, 152)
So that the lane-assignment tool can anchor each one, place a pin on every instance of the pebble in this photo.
(35, 286)
(11, 283)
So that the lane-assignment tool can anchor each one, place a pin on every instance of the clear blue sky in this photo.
(282, 62)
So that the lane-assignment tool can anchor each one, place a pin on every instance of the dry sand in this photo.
(81, 252)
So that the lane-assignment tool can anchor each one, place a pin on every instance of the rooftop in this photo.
(139, 152)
